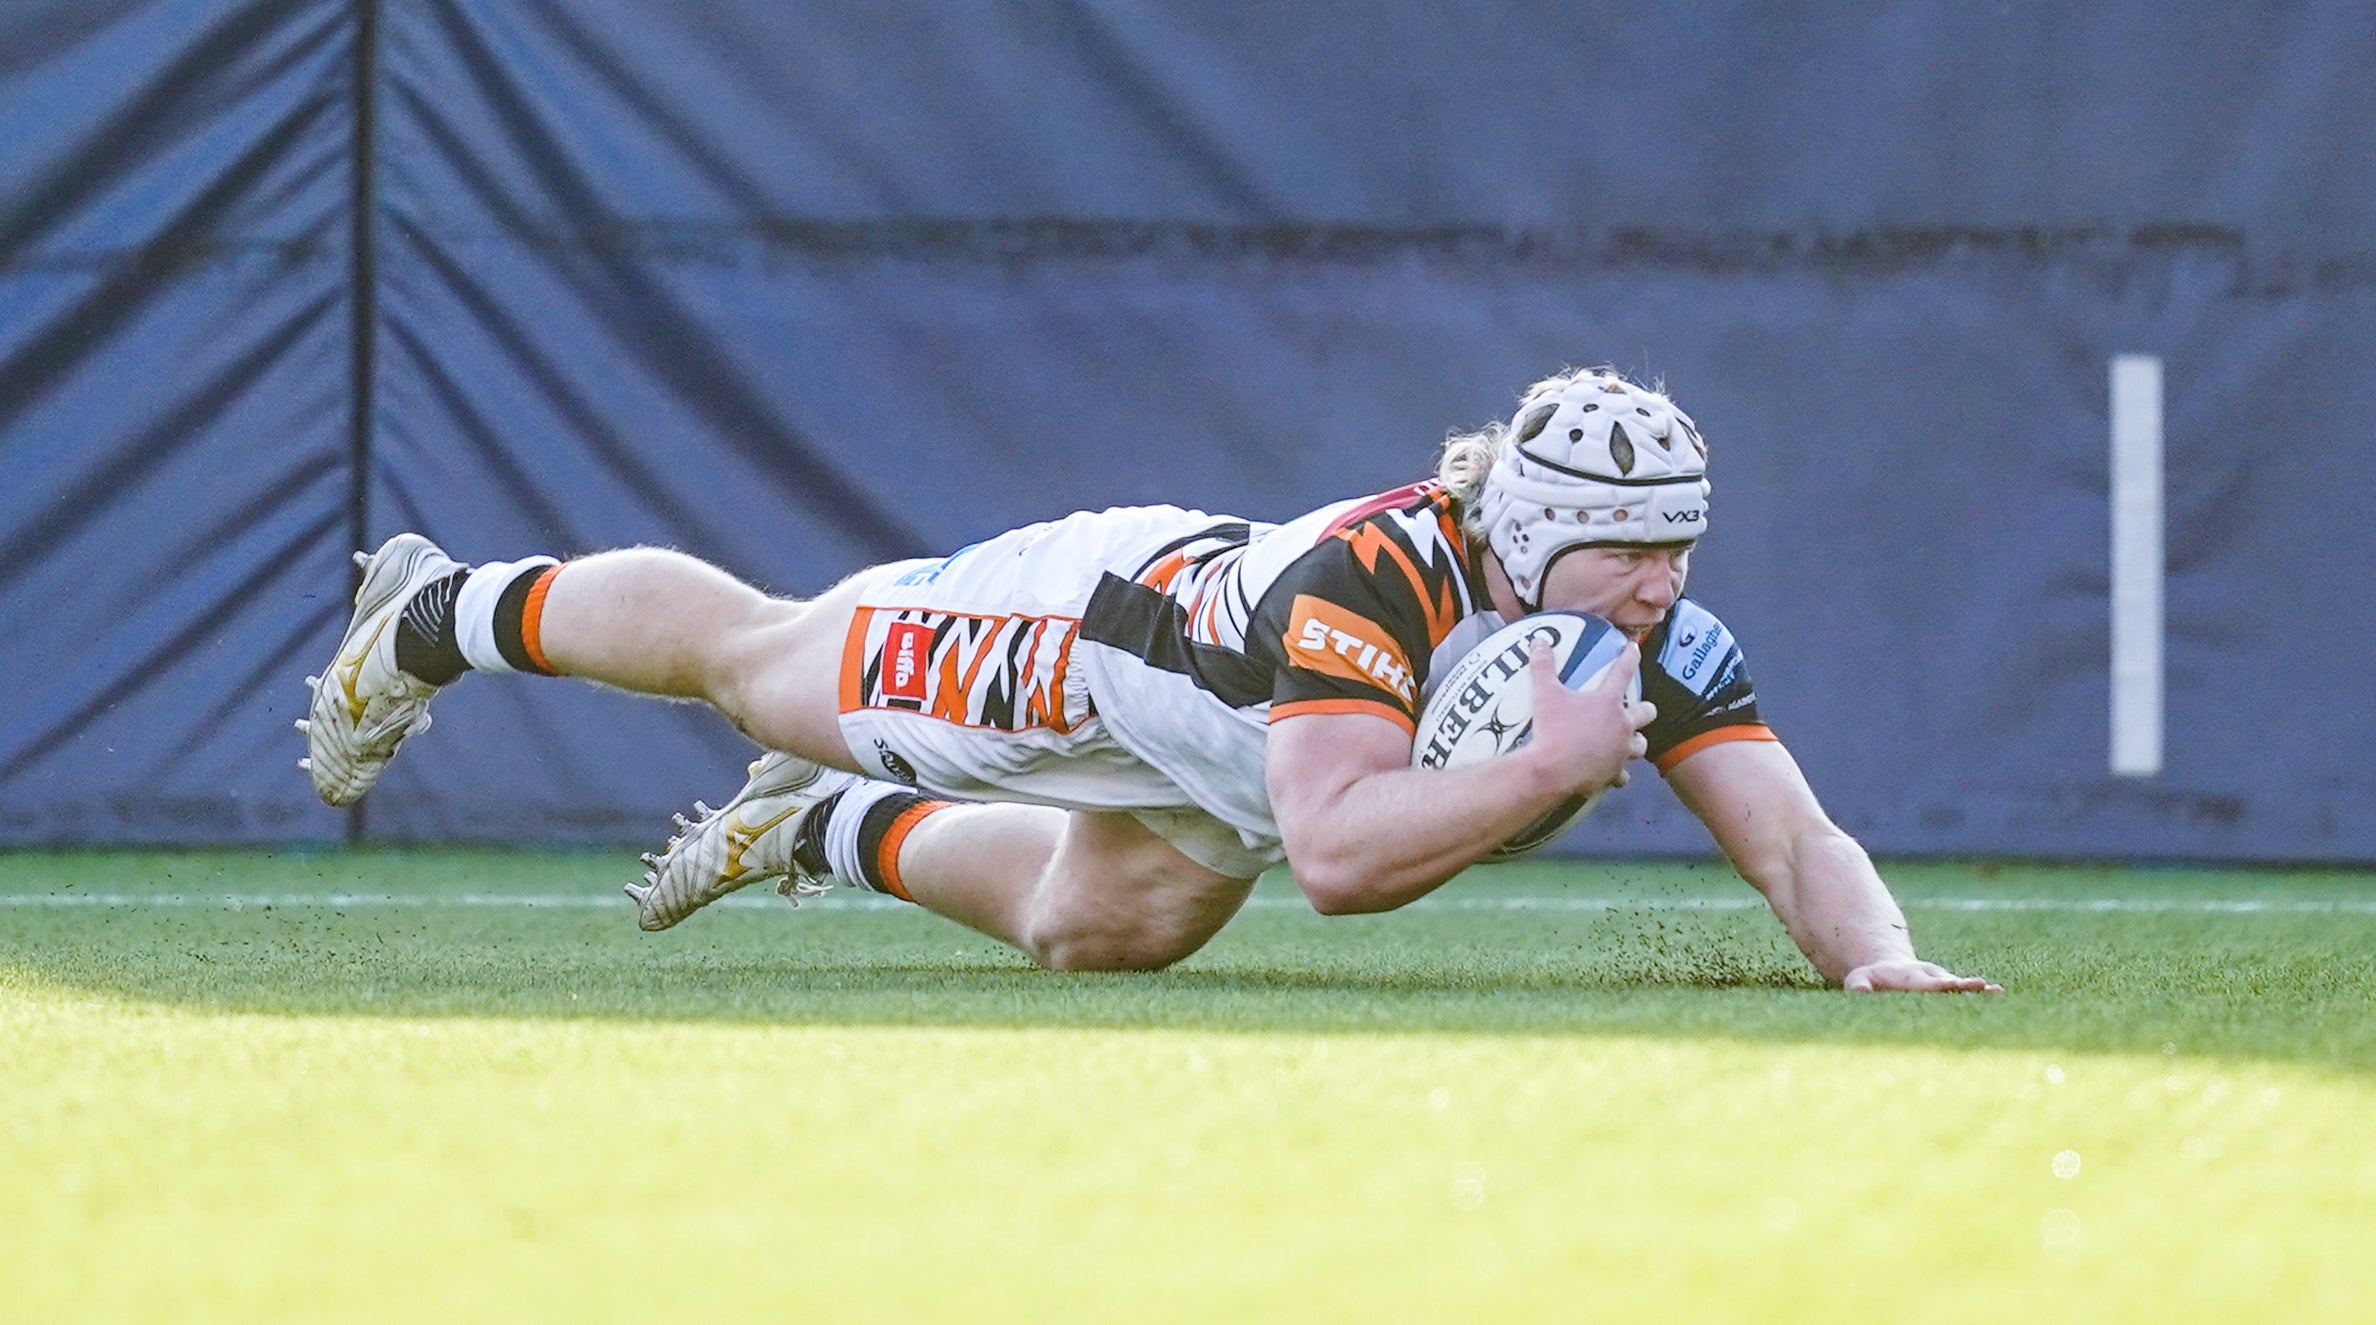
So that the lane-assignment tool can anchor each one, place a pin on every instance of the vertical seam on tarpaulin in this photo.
(362, 303)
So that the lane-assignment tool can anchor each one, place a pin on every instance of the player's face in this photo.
(1633, 588)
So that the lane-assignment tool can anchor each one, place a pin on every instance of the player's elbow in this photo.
(1324, 868)
(1334, 886)
(1343, 887)
(1340, 900)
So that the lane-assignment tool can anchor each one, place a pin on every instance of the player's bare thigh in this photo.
(1115, 896)
(658, 622)
(781, 679)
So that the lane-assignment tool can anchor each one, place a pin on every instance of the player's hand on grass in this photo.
(1592, 730)
(1915, 977)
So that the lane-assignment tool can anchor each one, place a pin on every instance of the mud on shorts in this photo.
(960, 677)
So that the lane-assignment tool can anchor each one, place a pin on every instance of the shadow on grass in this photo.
(2298, 989)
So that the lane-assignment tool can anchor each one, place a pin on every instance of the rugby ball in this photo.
(1483, 705)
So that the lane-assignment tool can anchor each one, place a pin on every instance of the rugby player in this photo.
(1088, 737)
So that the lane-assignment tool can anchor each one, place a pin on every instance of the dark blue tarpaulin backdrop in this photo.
(805, 287)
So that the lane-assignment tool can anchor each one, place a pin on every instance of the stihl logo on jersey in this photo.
(1326, 638)
(906, 651)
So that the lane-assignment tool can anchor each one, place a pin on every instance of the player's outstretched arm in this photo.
(1365, 831)
(1819, 881)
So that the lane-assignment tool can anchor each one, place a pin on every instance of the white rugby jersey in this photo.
(1192, 651)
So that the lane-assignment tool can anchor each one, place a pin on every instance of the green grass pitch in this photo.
(463, 1087)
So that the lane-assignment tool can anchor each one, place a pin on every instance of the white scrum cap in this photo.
(1592, 459)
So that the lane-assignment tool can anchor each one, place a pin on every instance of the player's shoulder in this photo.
(1419, 516)
(1410, 534)
(1403, 548)
(1693, 647)
(1380, 574)
(1424, 506)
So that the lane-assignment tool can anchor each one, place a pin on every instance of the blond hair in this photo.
(1467, 457)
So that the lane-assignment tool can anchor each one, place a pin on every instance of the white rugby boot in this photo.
(747, 840)
(363, 706)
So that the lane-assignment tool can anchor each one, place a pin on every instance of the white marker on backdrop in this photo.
(2136, 565)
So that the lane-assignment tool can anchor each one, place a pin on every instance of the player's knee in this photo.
(1063, 943)
(1119, 898)
(1061, 949)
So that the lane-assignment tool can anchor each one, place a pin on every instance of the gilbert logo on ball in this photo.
(1483, 705)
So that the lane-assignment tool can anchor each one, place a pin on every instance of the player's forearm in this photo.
(1395, 836)
(1834, 904)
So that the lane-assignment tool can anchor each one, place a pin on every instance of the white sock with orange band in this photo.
(856, 833)
(485, 618)
(498, 613)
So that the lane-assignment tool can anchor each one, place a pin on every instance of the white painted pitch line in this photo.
(2136, 565)
(845, 901)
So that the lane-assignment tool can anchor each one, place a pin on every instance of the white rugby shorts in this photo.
(961, 676)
